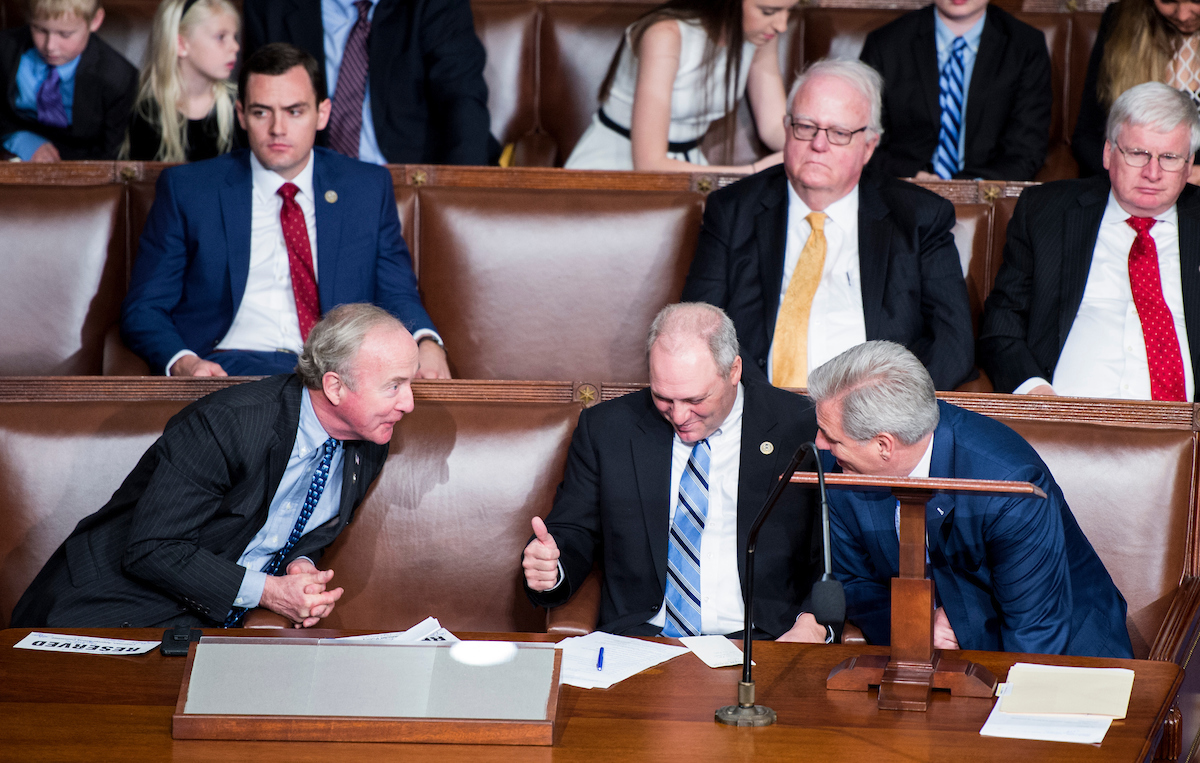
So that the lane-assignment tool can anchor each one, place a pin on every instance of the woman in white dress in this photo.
(681, 67)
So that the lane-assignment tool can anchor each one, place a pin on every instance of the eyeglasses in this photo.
(807, 131)
(1168, 162)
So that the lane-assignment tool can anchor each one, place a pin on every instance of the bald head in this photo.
(690, 322)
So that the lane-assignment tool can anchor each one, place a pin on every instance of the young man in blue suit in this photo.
(1011, 573)
(242, 254)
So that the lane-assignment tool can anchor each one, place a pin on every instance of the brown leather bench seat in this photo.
(442, 529)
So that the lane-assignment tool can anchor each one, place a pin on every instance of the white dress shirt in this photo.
(721, 608)
(266, 318)
(835, 322)
(1105, 351)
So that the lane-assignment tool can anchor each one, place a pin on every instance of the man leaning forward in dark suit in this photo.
(662, 485)
(242, 254)
(1099, 291)
(233, 505)
(1011, 573)
(967, 93)
(815, 256)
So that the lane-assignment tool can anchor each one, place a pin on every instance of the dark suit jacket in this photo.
(428, 97)
(1008, 102)
(194, 255)
(105, 86)
(614, 503)
(1087, 143)
(1014, 573)
(912, 283)
(1047, 256)
(164, 549)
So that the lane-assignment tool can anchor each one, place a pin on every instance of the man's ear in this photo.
(886, 443)
(240, 111)
(324, 108)
(97, 20)
(333, 387)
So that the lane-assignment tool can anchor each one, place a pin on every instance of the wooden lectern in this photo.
(914, 668)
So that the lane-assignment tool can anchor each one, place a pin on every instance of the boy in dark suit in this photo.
(68, 95)
(968, 93)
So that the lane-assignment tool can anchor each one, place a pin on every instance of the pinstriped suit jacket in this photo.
(1047, 256)
(164, 550)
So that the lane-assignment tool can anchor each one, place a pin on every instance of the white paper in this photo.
(715, 651)
(58, 642)
(426, 631)
(1080, 729)
(623, 657)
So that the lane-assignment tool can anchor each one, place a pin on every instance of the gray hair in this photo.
(883, 388)
(1155, 106)
(702, 321)
(860, 76)
(333, 343)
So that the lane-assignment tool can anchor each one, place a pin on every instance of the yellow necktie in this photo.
(790, 347)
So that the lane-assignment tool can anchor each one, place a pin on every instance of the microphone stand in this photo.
(745, 712)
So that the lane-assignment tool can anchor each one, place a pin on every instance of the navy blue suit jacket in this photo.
(194, 255)
(1014, 573)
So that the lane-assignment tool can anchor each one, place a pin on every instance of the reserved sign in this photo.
(58, 642)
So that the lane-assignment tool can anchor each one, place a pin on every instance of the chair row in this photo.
(442, 529)
(546, 60)
(522, 283)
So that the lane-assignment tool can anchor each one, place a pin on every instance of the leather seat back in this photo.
(577, 41)
(60, 462)
(442, 530)
(508, 31)
(533, 284)
(973, 237)
(1129, 488)
(64, 277)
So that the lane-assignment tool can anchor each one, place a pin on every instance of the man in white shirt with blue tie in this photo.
(661, 487)
(1099, 291)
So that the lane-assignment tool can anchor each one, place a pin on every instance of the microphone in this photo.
(746, 712)
(828, 596)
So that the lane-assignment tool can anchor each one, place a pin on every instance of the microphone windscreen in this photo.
(829, 602)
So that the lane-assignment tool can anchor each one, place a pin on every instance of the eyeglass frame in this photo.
(789, 122)
(1142, 152)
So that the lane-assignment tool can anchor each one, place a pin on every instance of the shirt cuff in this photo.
(251, 590)
(24, 144)
(561, 578)
(428, 334)
(1028, 384)
(175, 357)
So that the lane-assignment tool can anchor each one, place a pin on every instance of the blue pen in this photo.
(600, 660)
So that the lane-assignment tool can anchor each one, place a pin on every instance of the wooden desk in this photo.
(75, 707)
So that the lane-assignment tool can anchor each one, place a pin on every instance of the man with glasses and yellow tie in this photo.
(1099, 288)
(814, 256)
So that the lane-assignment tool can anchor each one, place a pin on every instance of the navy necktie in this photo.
(315, 489)
(345, 121)
(946, 159)
(683, 546)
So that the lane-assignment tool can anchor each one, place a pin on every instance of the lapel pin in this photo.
(331, 196)
(357, 459)
(767, 448)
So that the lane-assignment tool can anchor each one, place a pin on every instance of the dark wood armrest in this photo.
(579, 615)
(265, 618)
(852, 634)
(1179, 626)
(118, 359)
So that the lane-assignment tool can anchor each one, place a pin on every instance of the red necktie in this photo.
(300, 260)
(1158, 325)
(345, 121)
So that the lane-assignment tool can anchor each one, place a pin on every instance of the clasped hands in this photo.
(300, 595)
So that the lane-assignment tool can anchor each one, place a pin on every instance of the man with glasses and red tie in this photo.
(1100, 281)
(242, 254)
(814, 256)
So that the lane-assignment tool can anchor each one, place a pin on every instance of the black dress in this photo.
(202, 138)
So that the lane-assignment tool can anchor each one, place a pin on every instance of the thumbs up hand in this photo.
(540, 561)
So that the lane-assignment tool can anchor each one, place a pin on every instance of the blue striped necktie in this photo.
(315, 489)
(683, 548)
(946, 159)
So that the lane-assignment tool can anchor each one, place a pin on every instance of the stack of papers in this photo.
(623, 657)
(426, 631)
(1059, 704)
